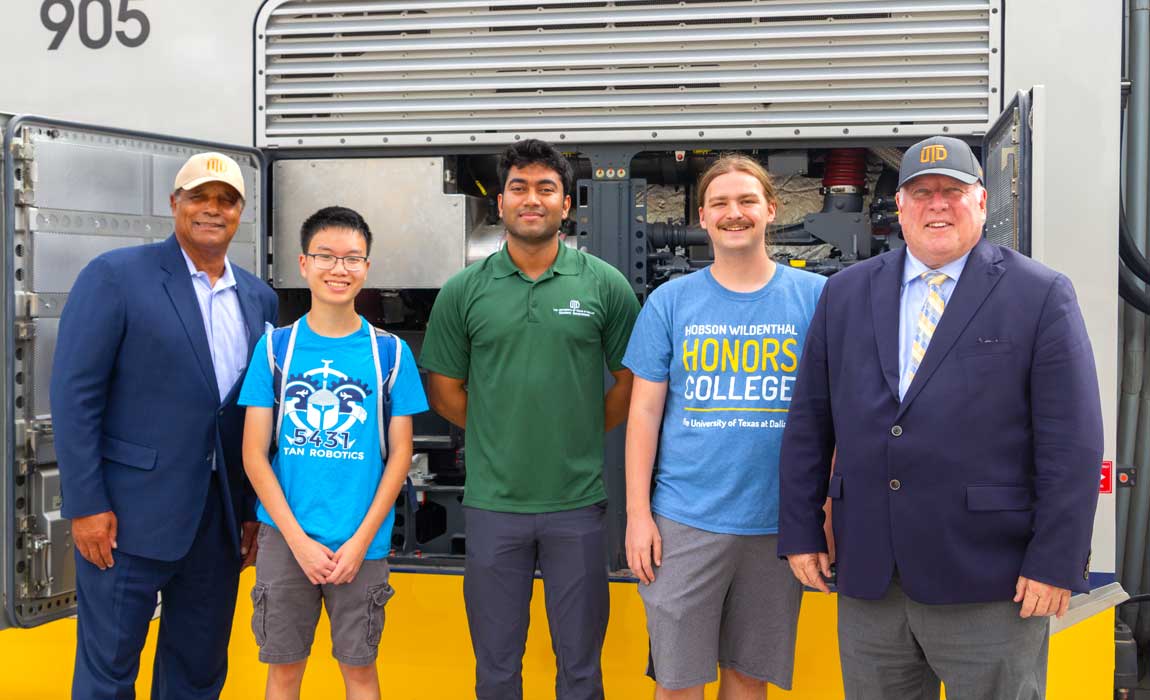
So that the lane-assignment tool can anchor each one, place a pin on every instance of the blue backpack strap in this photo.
(388, 345)
(280, 346)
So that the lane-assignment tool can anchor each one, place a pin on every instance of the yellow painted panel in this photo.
(426, 652)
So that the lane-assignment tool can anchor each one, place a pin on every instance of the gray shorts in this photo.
(720, 600)
(285, 607)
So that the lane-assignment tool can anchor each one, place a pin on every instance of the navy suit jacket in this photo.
(136, 411)
(988, 468)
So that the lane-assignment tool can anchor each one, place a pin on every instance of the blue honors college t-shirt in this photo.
(730, 361)
(327, 456)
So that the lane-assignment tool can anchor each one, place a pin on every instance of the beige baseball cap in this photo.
(210, 167)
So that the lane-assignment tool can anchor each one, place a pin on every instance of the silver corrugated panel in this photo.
(451, 72)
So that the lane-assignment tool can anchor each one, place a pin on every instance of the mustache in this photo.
(732, 224)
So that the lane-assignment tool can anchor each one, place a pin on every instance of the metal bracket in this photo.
(25, 523)
(25, 330)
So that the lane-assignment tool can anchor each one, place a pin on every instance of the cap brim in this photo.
(193, 184)
(956, 174)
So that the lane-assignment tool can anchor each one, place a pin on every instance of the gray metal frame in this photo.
(58, 605)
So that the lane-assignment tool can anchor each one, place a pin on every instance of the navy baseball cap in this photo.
(940, 155)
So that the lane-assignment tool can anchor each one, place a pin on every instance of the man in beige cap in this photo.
(153, 343)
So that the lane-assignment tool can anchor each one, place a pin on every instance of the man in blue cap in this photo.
(956, 381)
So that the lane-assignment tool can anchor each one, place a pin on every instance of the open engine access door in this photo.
(71, 192)
(1007, 175)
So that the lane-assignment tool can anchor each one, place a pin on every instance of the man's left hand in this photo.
(1040, 599)
(248, 544)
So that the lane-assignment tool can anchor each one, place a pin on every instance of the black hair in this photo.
(333, 217)
(531, 152)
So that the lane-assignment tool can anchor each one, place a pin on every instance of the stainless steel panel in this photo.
(449, 72)
(94, 178)
(38, 368)
(58, 258)
(420, 233)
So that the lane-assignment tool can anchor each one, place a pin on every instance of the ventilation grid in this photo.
(458, 72)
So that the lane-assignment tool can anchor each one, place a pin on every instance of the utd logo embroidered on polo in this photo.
(574, 308)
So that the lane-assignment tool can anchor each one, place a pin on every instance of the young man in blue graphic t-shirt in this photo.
(715, 354)
(326, 500)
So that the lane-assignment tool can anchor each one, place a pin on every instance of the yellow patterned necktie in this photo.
(928, 317)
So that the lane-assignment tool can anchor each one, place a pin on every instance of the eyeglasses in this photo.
(950, 194)
(325, 261)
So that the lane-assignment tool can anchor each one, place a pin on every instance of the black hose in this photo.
(1127, 250)
(1128, 289)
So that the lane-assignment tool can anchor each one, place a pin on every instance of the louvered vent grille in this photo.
(418, 72)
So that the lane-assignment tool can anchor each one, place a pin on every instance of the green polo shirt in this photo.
(532, 354)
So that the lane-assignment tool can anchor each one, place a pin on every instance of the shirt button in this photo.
(896, 430)
(895, 485)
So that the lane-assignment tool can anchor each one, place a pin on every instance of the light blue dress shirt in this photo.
(911, 299)
(223, 323)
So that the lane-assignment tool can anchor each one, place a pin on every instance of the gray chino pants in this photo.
(570, 550)
(897, 649)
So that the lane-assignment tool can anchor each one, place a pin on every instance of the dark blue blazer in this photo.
(135, 406)
(989, 467)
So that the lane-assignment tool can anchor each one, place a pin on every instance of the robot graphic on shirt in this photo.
(322, 405)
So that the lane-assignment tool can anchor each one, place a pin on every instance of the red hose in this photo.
(845, 167)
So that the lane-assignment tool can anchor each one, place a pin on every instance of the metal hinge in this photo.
(25, 523)
(24, 330)
(27, 304)
(23, 151)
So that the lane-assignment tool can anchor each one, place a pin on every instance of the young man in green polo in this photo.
(515, 349)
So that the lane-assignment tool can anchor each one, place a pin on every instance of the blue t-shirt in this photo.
(327, 458)
(730, 361)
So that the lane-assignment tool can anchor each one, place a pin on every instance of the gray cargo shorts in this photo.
(285, 607)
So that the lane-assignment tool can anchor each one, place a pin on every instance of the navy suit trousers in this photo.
(199, 597)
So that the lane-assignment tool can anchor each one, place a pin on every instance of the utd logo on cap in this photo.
(215, 165)
(932, 153)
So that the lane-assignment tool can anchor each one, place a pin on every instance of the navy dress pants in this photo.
(199, 598)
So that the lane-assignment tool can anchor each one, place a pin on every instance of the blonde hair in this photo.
(737, 162)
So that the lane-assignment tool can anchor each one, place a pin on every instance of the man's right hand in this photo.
(314, 558)
(808, 567)
(95, 538)
(644, 546)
